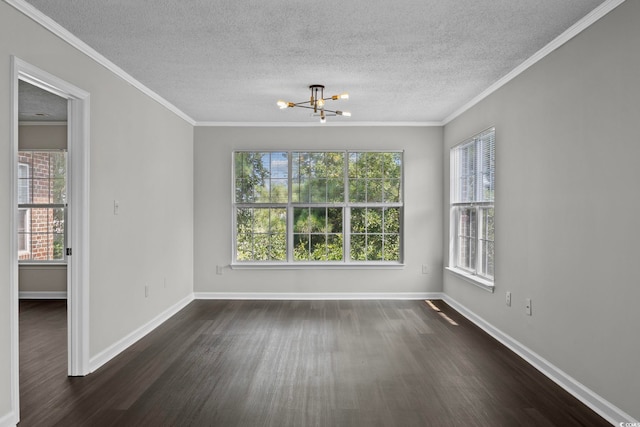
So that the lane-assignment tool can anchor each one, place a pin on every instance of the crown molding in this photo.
(563, 38)
(48, 23)
(317, 124)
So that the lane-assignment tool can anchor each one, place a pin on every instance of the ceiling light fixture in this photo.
(317, 102)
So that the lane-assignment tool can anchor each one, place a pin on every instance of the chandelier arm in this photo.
(305, 106)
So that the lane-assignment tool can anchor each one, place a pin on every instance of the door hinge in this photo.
(68, 251)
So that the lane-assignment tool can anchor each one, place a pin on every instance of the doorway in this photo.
(75, 242)
(41, 234)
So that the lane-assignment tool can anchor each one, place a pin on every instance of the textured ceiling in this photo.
(38, 105)
(401, 61)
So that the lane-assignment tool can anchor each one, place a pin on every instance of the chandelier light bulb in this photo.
(344, 95)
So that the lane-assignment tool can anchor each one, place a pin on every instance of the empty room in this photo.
(337, 214)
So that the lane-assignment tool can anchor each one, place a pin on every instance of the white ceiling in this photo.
(38, 105)
(401, 61)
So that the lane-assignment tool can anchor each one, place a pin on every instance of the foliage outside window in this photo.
(472, 206)
(42, 193)
(320, 206)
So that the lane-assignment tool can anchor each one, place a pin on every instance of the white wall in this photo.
(567, 150)
(40, 136)
(42, 281)
(141, 155)
(423, 209)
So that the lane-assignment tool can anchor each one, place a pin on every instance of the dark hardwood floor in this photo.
(292, 363)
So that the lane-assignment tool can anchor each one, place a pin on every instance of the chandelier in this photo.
(316, 103)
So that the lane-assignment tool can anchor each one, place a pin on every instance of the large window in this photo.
(42, 193)
(337, 207)
(472, 207)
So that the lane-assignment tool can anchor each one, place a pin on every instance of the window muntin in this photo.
(318, 177)
(317, 234)
(42, 206)
(472, 206)
(375, 234)
(327, 190)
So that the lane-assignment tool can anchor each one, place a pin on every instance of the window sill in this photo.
(36, 265)
(474, 280)
(315, 265)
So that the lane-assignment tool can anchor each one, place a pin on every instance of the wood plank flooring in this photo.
(292, 363)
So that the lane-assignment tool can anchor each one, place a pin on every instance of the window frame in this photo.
(291, 206)
(28, 207)
(474, 201)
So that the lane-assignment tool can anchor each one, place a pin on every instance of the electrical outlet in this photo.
(116, 207)
(146, 290)
(527, 306)
(425, 269)
(219, 270)
(508, 299)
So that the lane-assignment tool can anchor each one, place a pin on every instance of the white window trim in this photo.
(289, 263)
(475, 279)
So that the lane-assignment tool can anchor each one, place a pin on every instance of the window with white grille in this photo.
(472, 242)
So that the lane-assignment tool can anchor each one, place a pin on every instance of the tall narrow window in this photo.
(318, 206)
(472, 207)
(42, 193)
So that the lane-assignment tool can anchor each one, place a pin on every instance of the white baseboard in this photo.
(602, 407)
(318, 295)
(42, 294)
(9, 420)
(112, 351)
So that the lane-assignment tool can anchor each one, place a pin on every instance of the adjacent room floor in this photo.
(292, 363)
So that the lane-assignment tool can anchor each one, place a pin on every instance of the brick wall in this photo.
(41, 225)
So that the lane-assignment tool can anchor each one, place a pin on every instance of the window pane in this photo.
(375, 234)
(317, 234)
(374, 220)
(392, 190)
(391, 247)
(392, 220)
(261, 234)
(41, 234)
(374, 191)
(335, 247)
(374, 177)
(261, 177)
(318, 190)
(467, 224)
(374, 247)
(318, 177)
(301, 248)
(358, 247)
(486, 243)
(357, 190)
(58, 174)
(24, 183)
(42, 177)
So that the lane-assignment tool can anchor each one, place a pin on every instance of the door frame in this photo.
(78, 219)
